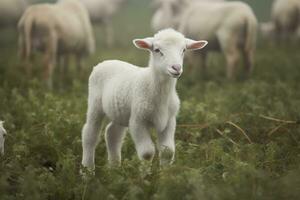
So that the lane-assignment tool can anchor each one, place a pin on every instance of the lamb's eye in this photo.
(183, 50)
(158, 51)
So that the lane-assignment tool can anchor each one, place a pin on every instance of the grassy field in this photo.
(234, 140)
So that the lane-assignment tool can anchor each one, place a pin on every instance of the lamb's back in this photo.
(113, 70)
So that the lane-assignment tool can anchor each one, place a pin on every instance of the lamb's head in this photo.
(167, 49)
(2, 138)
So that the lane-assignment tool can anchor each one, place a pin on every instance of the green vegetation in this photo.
(228, 144)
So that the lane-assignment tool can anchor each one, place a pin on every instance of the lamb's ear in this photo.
(145, 43)
(194, 45)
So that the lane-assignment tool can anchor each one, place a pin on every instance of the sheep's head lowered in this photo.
(2, 137)
(167, 49)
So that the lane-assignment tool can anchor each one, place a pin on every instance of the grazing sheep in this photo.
(11, 11)
(165, 15)
(102, 12)
(232, 30)
(2, 137)
(56, 29)
(285, 20)
(138, 98)
(168, 12)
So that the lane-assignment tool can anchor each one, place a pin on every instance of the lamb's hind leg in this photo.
(90, 133)
(114, 135)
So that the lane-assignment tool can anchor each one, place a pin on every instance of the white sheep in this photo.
(168, 12)
(165, 14)
(2, 137)
(102, 12)
(232, 29)
(56, 30)
(285, 20)
(195, 1)
(138, 98)
(11, 11)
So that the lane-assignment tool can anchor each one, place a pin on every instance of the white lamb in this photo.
(2, 137)
(138, 98)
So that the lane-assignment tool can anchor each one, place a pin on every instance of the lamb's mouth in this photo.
(174, 74)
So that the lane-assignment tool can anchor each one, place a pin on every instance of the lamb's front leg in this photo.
(166, 143)
(142, 140)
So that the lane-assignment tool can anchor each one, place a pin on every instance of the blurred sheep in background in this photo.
(57, 30)
(229, 27)
(165, 14)
(232, 30)
(168, 12)
(2, 137)
(285, 21)
(102, 12)
(11, 11)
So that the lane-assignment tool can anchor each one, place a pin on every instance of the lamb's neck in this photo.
(163, 83)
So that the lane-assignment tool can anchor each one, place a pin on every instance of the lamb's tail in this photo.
(250, 34)
(248, 39)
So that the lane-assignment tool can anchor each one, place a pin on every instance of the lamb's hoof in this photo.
(166, 157)
(87, 173)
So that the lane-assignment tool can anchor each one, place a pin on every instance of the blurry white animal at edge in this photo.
(2, 137)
